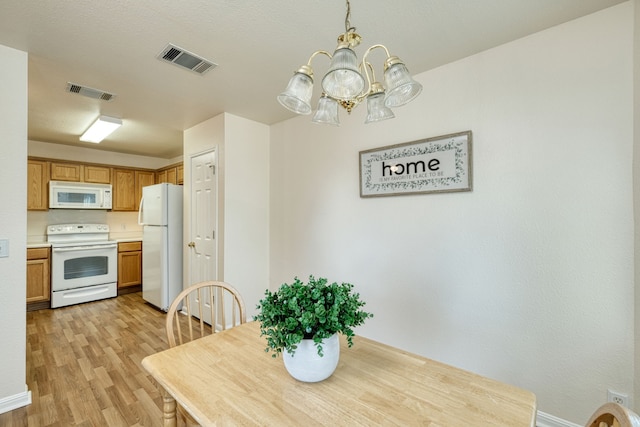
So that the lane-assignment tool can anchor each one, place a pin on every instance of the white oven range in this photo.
(84, 263)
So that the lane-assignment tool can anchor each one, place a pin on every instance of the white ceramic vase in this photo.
(307, 366)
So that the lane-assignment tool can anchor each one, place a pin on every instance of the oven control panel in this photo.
(77, 228)
(68, 233)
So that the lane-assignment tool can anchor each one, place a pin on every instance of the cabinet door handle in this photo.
(192, 244)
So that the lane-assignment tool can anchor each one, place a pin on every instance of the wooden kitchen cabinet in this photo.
(180, 175)
(79, 172)
(38, 276)
(66, 171)
(161, 176)
(129, 264)
(97, 174)
(172, 174)
(143, 179)
(124, 193)
(37, 185)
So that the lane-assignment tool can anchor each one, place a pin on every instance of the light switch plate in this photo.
(4, 248)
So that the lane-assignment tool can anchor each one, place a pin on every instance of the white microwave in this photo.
(79, 195)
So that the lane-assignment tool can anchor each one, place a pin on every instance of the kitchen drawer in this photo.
(37, 253)
(129, 246)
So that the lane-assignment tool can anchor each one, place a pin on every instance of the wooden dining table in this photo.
(227, 379)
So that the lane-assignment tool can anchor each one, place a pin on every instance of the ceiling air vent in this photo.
(89, 92)
(178, 56)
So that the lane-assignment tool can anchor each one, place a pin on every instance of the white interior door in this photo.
(203, 245)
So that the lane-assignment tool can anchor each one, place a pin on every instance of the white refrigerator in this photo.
(161, 217)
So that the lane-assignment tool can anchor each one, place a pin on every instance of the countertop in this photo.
(32, 244)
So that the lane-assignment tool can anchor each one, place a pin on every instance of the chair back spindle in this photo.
(202, 309)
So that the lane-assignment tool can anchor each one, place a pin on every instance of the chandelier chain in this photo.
(347, 20)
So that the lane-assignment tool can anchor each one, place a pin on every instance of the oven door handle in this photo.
(85, 248)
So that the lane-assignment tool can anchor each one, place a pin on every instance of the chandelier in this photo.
(345, 85)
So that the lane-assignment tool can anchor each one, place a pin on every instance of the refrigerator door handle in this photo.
(140, 211)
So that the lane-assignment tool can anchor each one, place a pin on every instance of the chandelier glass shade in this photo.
(348, 82)
(343, 81)
(401, 88)
(327, 112)
(376, 108)
(297, 95)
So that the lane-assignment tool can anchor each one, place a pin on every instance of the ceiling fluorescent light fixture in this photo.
(345, 85)
(100, 129)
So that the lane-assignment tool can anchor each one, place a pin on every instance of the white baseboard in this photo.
(547, 420)
(16, 401)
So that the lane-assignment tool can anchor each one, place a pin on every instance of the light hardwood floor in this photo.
(83, 365)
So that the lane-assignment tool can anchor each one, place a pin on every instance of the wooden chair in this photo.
(202, 309)
(613, 415)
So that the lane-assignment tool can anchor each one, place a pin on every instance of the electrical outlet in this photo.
(617, 397)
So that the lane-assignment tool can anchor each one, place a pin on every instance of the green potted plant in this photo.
(298, 317)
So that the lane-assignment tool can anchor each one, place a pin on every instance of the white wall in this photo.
(529, 278)
(242, 150)
(246, 205)
(636, 189)
(13, 227)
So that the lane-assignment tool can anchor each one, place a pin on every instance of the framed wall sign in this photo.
(434, 165)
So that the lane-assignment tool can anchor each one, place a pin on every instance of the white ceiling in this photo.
(112, 46)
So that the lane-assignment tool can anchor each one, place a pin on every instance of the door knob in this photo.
(192, 244)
